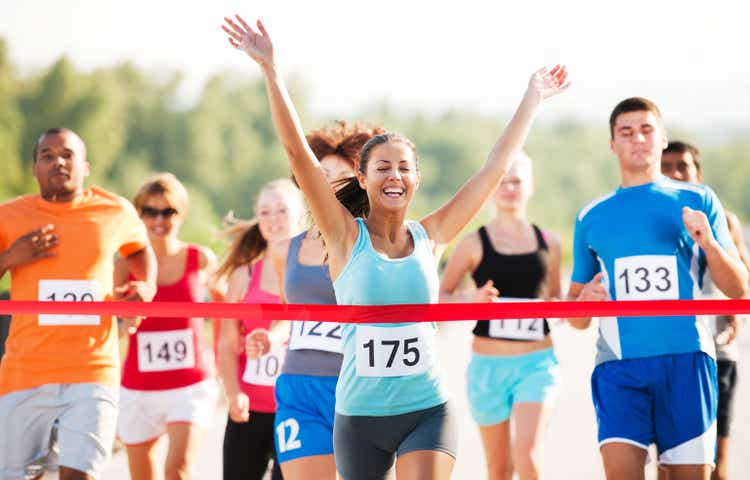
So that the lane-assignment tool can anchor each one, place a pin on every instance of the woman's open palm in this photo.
(256, 44)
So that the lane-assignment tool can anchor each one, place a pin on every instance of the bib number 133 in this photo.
(646, 277)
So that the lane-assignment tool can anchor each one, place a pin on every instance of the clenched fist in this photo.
(697, 227)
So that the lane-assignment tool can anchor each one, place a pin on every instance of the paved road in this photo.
(570, 450)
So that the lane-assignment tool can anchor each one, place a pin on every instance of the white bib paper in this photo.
(264, 370)
(69, 291)
(325, 336)
(529, 329)
(394, 352)
(646, 277)
(165, 351)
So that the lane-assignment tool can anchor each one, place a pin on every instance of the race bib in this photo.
(394, 352)
(325, 336)
(529, 329)
(165, 351)
(264, 370)
(646, 277)
(69, 291)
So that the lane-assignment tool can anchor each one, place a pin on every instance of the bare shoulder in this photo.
(552, 238)
(206, 257)
(733, 222)
(279, 250)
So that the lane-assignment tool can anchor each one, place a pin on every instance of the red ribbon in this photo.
(443, 312)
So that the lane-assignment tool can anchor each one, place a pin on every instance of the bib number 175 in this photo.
(391, 352)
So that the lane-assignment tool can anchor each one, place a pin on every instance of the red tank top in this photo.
(257, 377)
(167, 353)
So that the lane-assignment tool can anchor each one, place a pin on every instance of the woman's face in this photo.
(161, 218)
(516, 188)
(336, 168)
(277, 218)
(391, 178)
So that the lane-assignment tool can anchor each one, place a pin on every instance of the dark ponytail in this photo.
(352, 196)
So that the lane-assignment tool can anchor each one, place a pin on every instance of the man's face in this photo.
(60, 165)
(680, 166)
(638, 140)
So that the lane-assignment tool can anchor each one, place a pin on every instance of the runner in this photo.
(306, 388)
(681, 161)
(167, 384)
(513, 370)
(59, 375)
(389, 399)
(650, 240)
(249, 383)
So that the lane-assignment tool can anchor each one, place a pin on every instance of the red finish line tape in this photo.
(443, 312)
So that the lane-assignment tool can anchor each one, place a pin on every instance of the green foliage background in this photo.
(223, 147)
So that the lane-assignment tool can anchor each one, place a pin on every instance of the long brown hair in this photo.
(247, 241)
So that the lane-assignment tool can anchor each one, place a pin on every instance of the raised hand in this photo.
(593, 291)
(257, 343)
(256, 44)
(33, 246)
(697, 226)
(545, 83)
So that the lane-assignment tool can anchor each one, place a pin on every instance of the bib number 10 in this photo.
(646, 277)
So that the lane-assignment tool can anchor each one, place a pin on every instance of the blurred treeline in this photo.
(223, 146)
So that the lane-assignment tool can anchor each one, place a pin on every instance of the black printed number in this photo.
(71, 297)
(643, 279)
(167, 352)
(411, 354)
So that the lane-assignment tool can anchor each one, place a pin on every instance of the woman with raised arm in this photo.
(513, 370)
(306, 388)
(248, 380)
(168, 384)
(390, 404)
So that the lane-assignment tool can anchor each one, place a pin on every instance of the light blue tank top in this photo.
(388, 368)
(310, 285)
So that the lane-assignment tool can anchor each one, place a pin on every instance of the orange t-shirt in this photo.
(45, 349)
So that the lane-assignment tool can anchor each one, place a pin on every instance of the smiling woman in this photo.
(390, 400)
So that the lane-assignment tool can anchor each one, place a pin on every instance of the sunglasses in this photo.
(155, 212)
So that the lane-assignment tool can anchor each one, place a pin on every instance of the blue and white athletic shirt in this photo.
(636, 236)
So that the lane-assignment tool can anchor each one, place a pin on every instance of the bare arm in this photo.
(335, 222)
(593, 291)
(278, 253)
(229, 334)
(444, 224)
(207, 263)
(735, 229)
(143, 267)
(464, 260)
(727, 270)
(553, 275)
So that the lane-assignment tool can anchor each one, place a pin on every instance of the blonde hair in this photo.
(164, 184)
(247, 241)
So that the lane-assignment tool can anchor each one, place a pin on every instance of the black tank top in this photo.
(516, 276)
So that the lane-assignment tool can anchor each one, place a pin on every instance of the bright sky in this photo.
(689, 56)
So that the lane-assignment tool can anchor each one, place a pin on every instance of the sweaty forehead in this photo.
(66, 140)
(636, 119)
(392, 152)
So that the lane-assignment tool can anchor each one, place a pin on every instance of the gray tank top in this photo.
(310, 284)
